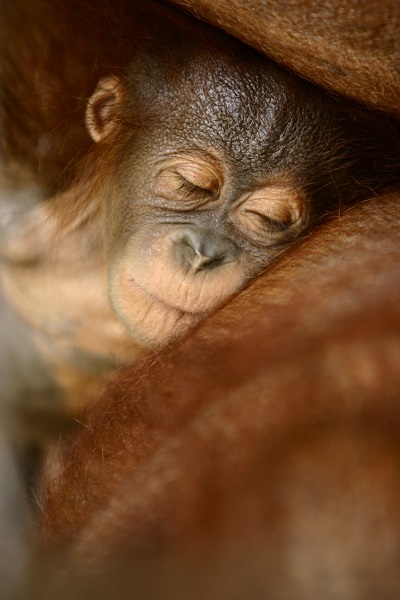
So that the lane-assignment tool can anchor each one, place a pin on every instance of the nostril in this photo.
(201, 250)
(211, 262)
(188, 252)
(186, 244)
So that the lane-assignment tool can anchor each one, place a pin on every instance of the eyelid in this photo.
(173, 186)
(190, 188)
(276, 225)
(272, 213)
(277, 203)
(200, 175)
(271, 209)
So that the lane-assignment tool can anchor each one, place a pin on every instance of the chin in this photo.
(150, 321)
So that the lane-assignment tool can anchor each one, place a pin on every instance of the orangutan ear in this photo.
(101, 107)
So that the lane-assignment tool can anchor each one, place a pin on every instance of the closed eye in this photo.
(272, 225)
(189, 189)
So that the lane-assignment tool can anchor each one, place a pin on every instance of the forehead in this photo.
(243, 106)
(227, 102)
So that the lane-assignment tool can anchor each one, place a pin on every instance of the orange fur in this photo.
(259, 457)
(272, 431)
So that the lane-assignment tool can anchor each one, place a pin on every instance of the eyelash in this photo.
(189, 189)
(273, 224)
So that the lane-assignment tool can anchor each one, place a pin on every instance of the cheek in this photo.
(157, 296)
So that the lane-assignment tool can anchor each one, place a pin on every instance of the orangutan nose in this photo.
(203, 249)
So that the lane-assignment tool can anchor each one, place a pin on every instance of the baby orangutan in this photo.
(218, 162)
(208, 161)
